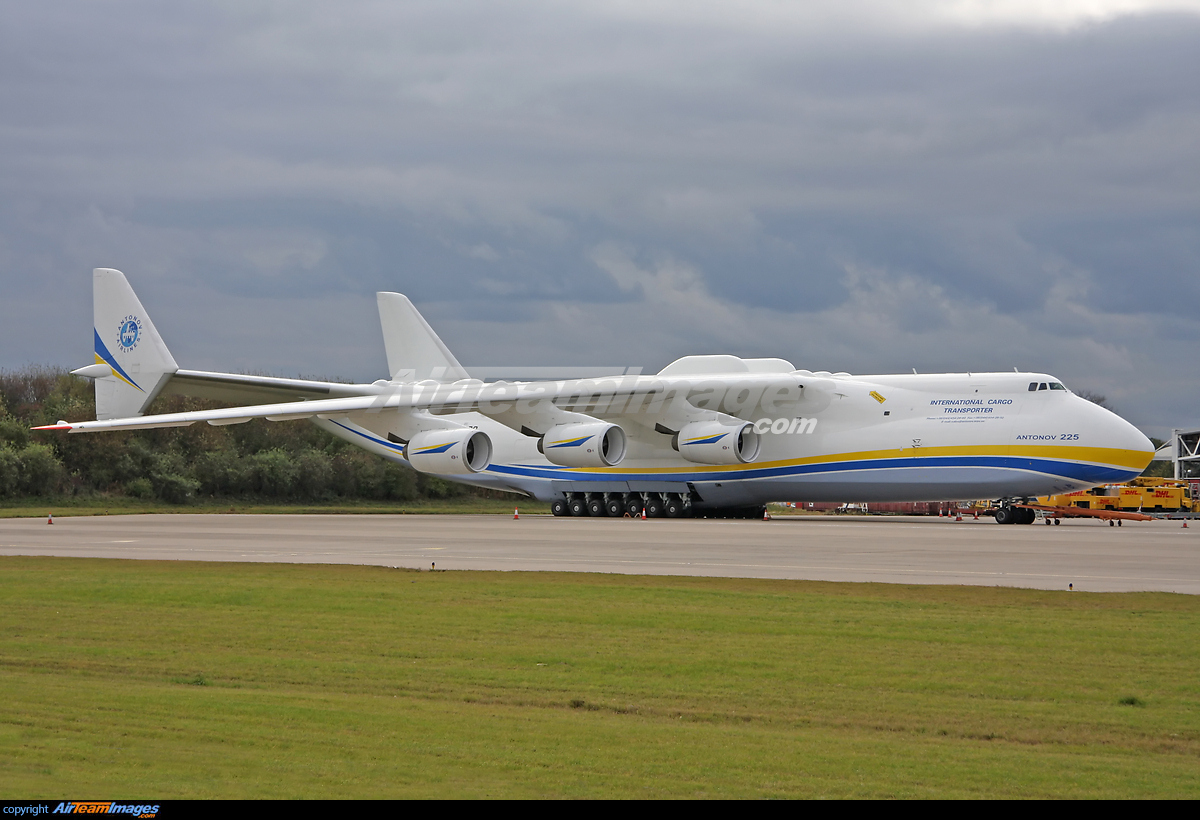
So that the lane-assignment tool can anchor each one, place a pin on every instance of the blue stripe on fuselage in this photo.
(1092, 473)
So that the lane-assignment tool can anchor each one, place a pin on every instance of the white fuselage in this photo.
(867, 438)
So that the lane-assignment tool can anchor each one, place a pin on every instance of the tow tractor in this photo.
(1142, 499)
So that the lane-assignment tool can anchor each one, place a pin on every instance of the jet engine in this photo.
(449, 452)
(713, 442)
(596, 444)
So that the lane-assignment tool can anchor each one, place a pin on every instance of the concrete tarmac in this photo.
(1151, 555)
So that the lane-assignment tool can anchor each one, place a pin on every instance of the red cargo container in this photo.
(881, 507)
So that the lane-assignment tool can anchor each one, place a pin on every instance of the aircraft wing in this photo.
(133, 366)
(243, 389)
(671, 401)
(284, 411)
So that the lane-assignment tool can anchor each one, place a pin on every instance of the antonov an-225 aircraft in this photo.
(708, 435)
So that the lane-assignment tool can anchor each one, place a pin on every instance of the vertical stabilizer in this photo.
(414, 351)
(127, 342)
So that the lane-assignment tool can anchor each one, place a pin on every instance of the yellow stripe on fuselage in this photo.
(1130, 459)
(1108, 456)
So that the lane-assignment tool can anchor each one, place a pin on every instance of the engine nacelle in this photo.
(595, 444)
(712, 442)
(449, 452)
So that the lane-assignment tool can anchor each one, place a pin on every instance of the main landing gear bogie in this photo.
(661, 505)
(577, 505)
(616, 505)
(654, 505)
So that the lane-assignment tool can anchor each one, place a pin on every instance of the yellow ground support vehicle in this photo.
(1148, 495)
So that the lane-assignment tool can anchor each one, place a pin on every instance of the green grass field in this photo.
(173, 679)
(123, 505)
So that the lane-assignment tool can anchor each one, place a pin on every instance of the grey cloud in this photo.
(880, 185)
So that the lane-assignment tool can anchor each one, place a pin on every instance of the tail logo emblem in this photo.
(130, 332)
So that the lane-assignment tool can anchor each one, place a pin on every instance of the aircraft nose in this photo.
(1116, 433)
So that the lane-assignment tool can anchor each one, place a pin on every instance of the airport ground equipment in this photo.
(1147, 495)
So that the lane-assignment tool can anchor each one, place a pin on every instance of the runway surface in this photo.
(1153, 555)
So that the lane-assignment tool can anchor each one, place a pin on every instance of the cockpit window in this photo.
(1042, 386)
(1032, 386)
(1056, 386)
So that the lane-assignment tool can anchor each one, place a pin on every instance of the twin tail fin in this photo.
(132, 363)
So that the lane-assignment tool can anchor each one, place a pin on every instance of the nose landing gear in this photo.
(1008, 514)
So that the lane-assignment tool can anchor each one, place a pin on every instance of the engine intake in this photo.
(584, 445)
(712, 442)
(449, 452)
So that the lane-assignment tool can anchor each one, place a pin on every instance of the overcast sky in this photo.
(860, 186)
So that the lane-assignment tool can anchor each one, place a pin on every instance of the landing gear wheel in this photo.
(577, 506)
(1006, 515)
(615, 506)
(596, 508)
(633, 505)
(1028, 516)
(654, 506)
(559, 507)
(673, 507)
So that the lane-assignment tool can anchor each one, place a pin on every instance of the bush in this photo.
(434, 487)
(140, 488)
(10, 470)
(314, 474)
(359, 474)
(273, 473)
(40, 473)
(221, 472)
(174, 488)
(14, 431)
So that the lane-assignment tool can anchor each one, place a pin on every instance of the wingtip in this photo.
(62, 425)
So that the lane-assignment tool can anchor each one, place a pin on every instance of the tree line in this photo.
(287, 461)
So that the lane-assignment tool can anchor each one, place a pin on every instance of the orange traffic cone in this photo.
(50, 520)
(643, 513)
(977, 515)
(1185, 526)
(766, 515)
(516, 515)
(958, 517)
